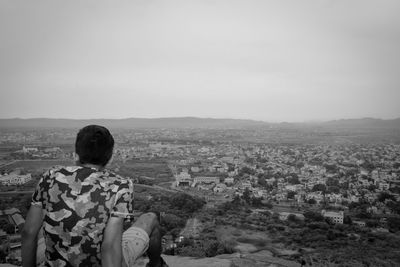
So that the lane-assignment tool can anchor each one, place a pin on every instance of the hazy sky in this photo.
(268, 60)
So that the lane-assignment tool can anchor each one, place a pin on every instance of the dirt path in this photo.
(193, 228)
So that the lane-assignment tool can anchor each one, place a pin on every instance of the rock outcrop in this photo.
(258, 259)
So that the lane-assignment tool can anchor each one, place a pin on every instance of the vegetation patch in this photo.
(259, 243)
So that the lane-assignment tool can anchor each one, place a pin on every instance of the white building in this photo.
(183, 178)
(195, 169)
(29, 149)
(229, 180)
(359, 223)
(384, 186)
(245, 185)
(206, 179)
(219, 188)
(15, 179)
(335, 217)
(291, 188)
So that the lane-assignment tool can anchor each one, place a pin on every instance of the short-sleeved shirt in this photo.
(77, 202)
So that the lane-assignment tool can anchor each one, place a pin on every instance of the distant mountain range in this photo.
(193, 122)
(365, 123)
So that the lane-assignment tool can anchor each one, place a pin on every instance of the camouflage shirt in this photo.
(77, 202)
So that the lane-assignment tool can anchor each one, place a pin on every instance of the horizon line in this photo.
(210, 118)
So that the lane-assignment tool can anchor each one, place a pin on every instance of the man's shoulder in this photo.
(61, 169)
(116, 178)
(104, 175)
(110, 177)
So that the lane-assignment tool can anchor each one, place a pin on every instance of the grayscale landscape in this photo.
(265, 133)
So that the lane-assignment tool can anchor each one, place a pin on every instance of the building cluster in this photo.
(32, 152)
(15, 179)
(301, 174)
(304, 174)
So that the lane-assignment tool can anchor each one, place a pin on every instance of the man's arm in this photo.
(111, 249)
(33, 222)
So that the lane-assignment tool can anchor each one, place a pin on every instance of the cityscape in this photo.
(253, 191)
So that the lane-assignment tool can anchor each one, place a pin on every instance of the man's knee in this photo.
(148, 222)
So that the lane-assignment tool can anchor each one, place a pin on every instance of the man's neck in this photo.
(93, 166)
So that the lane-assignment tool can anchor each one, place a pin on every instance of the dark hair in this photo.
(94, 145)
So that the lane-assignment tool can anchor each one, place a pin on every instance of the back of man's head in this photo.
(94, 145)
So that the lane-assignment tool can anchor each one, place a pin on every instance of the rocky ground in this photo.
(258, 259)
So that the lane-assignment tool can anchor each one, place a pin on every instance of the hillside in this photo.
(193, 122)
(365, 123)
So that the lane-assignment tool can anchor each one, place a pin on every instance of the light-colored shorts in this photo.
(135, 242)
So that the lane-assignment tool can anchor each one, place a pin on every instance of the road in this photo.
(8, 163)
(192, 229)
(155, 187)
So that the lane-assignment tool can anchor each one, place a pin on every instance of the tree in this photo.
(372, 188)
(311, 201)
(256, 202)
(385, 195)
(246, 170)
(394, 224)
(293, 218)
(334, 189)
(171, 221)
(246, 195)
(313, 216)
(294, 179)
(261, 181)
(236, 200)
(268, 205)
(186, 202)
(394, 206)
(372, 223)
(368, 165)
(212, 248)
(363, 214)
(332, 182)
(395, 189)
(331, 235)
(319, 187)
(331, 168)
(299, 164)
(347, 220)
(7, 227)
(345, 186)
(291, 194)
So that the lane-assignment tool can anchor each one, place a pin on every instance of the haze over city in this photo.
(271, 61)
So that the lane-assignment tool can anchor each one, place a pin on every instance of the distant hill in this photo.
(365, 123)
(131, 123)
(193, 122)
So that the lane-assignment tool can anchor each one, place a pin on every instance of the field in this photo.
(157, 169)
(34, 166)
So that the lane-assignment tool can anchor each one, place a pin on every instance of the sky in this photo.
(265, 60)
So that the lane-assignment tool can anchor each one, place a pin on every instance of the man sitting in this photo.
(82, 209)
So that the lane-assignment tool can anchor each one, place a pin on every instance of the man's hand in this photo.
(33, 222)
(111, 249)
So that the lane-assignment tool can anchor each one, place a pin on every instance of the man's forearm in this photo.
(34, 220)
(111, 248)
(28, 250)
(111, 255)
